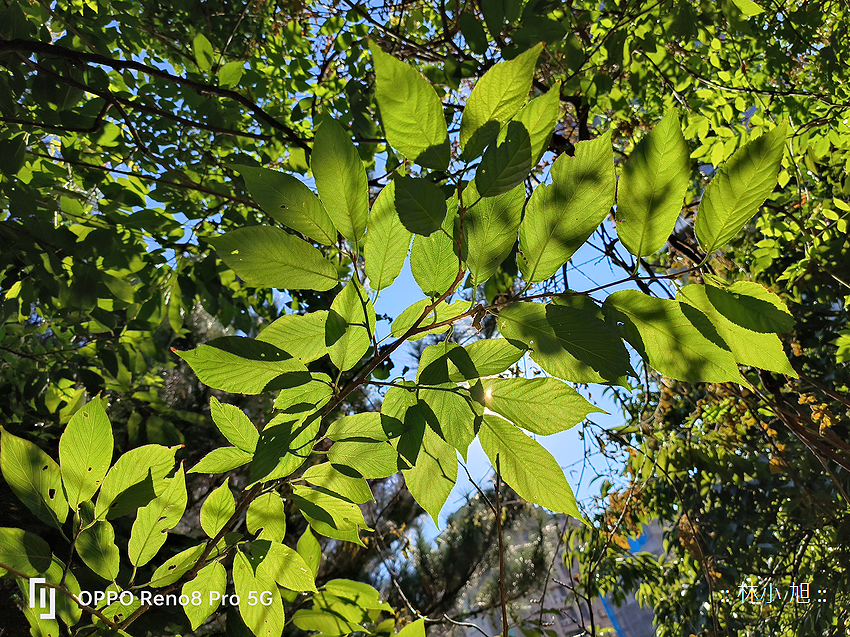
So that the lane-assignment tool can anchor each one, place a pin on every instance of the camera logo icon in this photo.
(46, 598)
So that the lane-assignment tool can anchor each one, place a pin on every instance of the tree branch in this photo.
(80, 57)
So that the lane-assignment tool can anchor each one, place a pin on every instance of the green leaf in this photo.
(447, 362)
(137, 473)
(539, 117)
(34, 477)
(748, 7)
(211, 578)
(540, 405)
(230, 74)
(310, 550)
(506, 163)
(413, 629)
(387, 241)
(748, 347)
(96, 547)
(217, 509)
(562, 215)
(85, 452)
(473, 33)
(664, 336)
(495, 99)
(163, 513)
(222, 460)
(567, 343)
(23, 551)
(739, 188)
(204, 53)
(284, 445)
(175, 567)
(234, 425)
(302, 335)
(328, 624)
(359, 594)
(751, 306)
(420, 205)
(403, 406)
(411, 112)
(350, 326)
(434, 474)
(367, 459)
(652, 188)
(433, 260)
(490, 229)
(262, 620)
(330, 515)
(456, 417)
(443, 312)
(269, 257)
(527, 467)
(239, 365)
(301, 393)
(368, 425)
(289, 202)
(340, 179)
(283, 565)
(267, 515)
(485, 357)
(354, 489)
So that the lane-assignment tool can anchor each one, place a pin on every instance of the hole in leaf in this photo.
(89, 468)
(44, 468)
(51, 493)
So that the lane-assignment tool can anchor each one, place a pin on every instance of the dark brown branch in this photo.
(80, 57)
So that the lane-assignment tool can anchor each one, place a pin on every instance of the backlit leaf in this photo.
(540, 405)
(748, 347)
(302, 335)
(739, 188)
(267, 515)
(432, 478)
(340, 179)
(239, 365)
(217, 509)
(434, 261)
(222, 460)
(163, 513)
(350, 325)
(234, 425)
(490, 229)
(562, 215)
(85, 452)
(211, 578)
(34, 477)
(140, 471)
(527, 467)
(411, 112)
(664, 336)
(568, 343)
(495, 99)
(387, 241)
(652, 188)
(96, 547)
(289, 202)
(269, 257)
